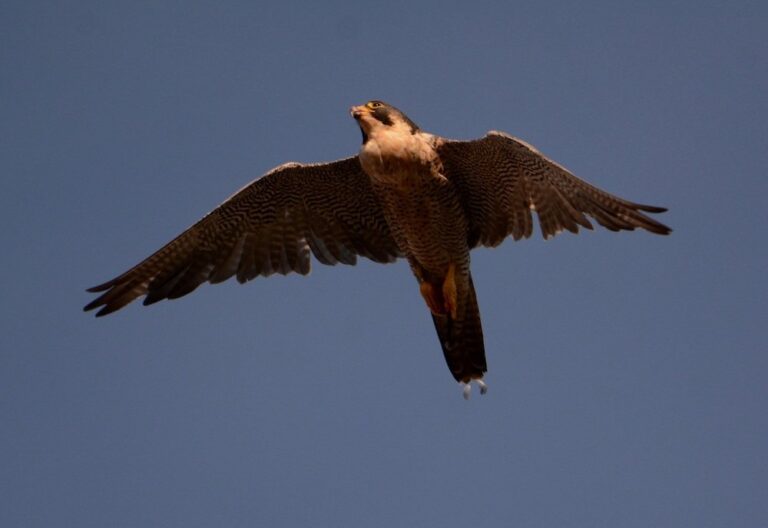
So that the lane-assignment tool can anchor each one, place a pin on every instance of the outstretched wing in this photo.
(269, 226)
(502, 179)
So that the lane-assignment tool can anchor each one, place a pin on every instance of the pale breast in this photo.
(421, 206)
(395, 157)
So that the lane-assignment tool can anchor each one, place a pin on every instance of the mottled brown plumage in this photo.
(270, 226)
(408, 193)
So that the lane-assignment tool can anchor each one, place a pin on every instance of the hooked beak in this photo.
(358, 111)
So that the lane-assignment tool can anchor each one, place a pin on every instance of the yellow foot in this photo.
(449, 291)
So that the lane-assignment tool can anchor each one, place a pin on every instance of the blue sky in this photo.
(627, 371)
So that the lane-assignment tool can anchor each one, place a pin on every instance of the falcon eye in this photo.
(374, 104)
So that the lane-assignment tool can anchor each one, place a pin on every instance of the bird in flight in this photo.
(407, 193)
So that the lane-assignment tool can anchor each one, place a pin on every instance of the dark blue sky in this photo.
(627, 371)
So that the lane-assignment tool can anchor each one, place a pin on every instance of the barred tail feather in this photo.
(462, 340)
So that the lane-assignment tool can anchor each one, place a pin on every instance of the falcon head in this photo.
(376, 114)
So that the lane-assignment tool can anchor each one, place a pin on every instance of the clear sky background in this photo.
(627, 371)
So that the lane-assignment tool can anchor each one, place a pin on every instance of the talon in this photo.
(467, 387)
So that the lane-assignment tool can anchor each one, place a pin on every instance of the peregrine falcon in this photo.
(407, 194)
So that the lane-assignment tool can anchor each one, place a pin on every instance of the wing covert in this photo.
(269, 226)
(502, 179)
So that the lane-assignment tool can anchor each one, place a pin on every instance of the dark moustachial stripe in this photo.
(382, 114)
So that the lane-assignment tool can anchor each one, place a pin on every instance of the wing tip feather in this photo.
(100, 287)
